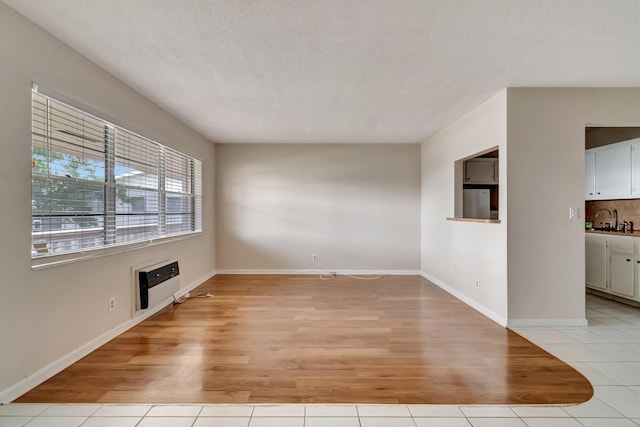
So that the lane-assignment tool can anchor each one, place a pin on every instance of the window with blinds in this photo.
(96, 185)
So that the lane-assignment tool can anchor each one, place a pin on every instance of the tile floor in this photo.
(607, 352)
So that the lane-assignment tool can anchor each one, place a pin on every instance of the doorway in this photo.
(612, 213)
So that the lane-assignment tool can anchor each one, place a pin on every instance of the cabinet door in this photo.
(637, 287)
(480, 171)
(635, 168)
(596, 261)
(613, 172)
(590, 175)
(622, 274)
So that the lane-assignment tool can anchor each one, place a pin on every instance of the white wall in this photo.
(455, 254)
(48, 313)
(356, 205)
(546, 140)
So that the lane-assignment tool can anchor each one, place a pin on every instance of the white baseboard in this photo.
(511, 323)
(546, 323)
(325, 271)
(33, 380)
(465, 299)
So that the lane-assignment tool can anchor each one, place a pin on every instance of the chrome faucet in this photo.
(610, 215)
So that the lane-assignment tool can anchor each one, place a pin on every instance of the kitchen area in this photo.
(481, 187)
(612, 213)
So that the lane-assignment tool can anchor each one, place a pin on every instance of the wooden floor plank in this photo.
(301, 339)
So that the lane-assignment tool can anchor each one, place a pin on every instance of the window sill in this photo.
(56, 260)
(486, 221)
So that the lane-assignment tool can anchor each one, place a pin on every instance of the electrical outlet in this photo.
(314, 257)
(477, 283)
(112, 304)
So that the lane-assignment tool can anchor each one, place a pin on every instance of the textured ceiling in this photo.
(343, 70)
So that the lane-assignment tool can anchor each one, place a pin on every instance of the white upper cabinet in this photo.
(590, 175)
(635, 167)
(611, 169)
(481, 170)
(613, 172)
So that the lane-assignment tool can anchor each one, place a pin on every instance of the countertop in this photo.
(634, 233)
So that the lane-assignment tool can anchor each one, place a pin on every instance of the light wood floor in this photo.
(301, 339)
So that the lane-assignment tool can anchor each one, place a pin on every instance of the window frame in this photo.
(43, 242)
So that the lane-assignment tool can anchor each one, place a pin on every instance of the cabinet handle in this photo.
(598, 193)
(628, 260)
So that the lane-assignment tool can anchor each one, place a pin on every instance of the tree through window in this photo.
(97, 185)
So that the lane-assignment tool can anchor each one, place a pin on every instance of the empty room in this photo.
(288, 213)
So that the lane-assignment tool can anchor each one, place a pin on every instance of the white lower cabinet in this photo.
(597, 261)
(622, 274)
(613, 264)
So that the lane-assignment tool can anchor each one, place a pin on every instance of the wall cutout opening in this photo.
(477, 184)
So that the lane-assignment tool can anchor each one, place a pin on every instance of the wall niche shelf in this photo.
(486, 221)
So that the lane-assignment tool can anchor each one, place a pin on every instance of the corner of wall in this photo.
(500, 320)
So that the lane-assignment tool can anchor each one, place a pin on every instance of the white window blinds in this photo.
(96, 185)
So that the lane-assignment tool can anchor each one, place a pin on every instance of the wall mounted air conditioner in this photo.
(155, 283)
